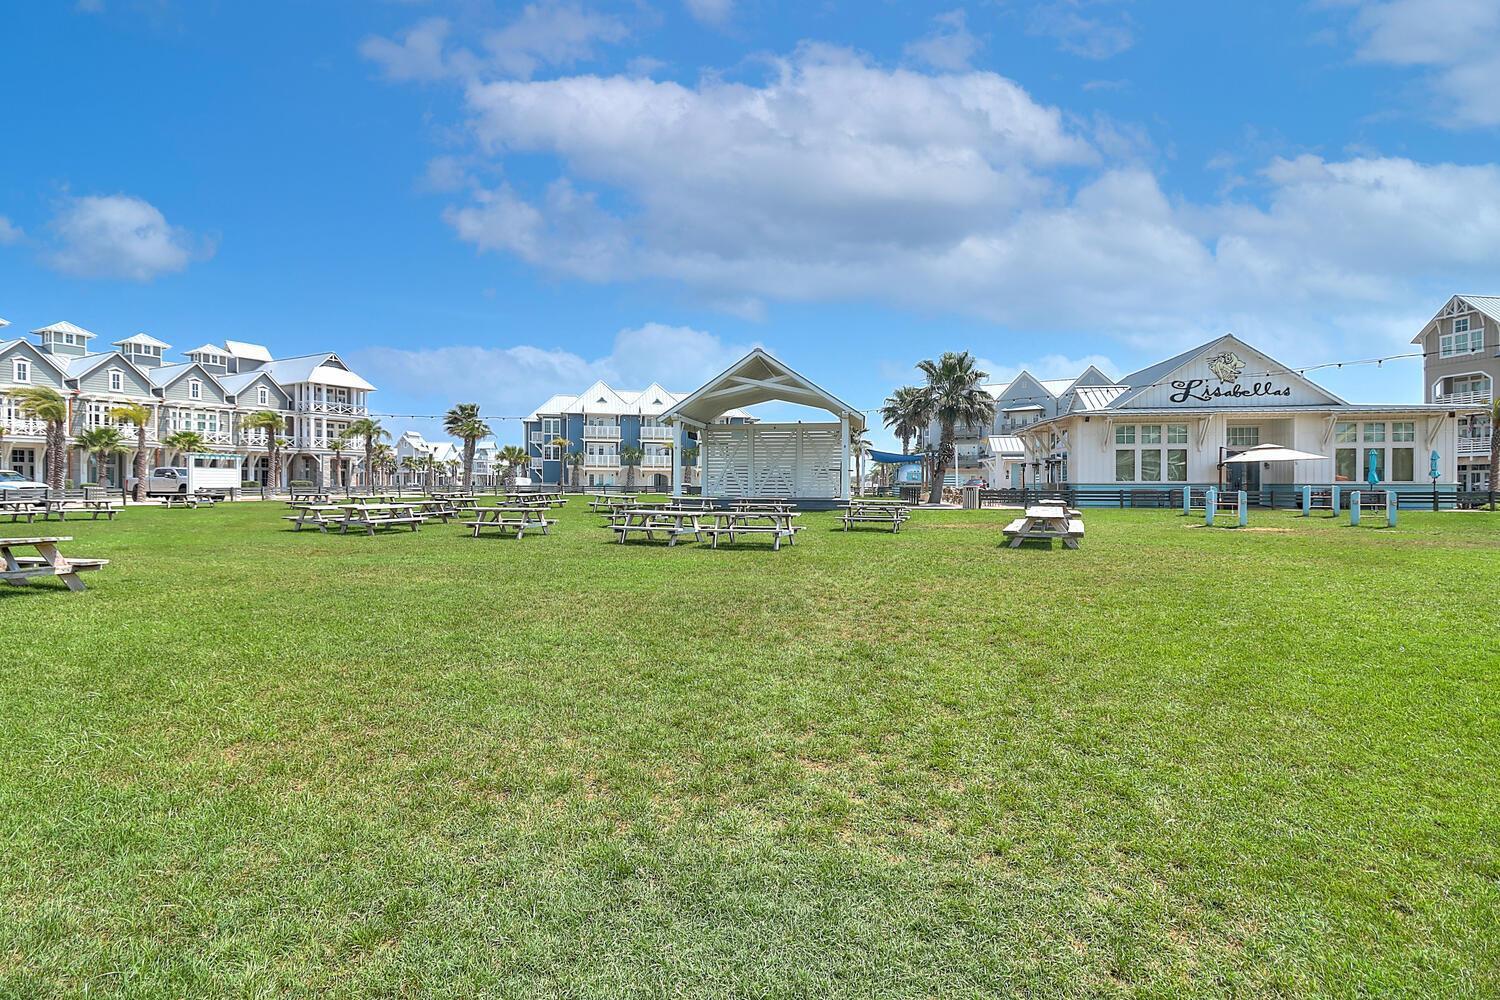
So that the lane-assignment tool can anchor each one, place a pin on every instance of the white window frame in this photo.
(21, 370)
(195, 388)
(116, 380)
(262, 396)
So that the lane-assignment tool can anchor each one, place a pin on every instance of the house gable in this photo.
(248, 398)
(1225, 373)
(95, 378)
(178, 388)
(44, 371)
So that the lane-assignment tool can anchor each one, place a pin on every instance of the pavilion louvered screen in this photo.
(772, 460)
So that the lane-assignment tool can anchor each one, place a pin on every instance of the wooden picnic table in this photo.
(370, 516)
(48, 561)
(776, 522)
(1046, 522)
(894, 513)
(94, 508)
(17, 509)
(513, 517)
(609, 501)
(320, 516)
(674, 522)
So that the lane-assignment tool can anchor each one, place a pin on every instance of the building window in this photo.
(1243, 437)
(22, 371)
(195, 389)
(262, 396)
(1374, 433)
(1345, 464)
(1346, 432)
(116, 380)
(1125, 434)
(1176, 465)
(1125, 464)
(1462, 340)
(1375, 462)
(1404, 430)
(1177, 434)
(1151, 465)
(1403, 465)
(1151, 434)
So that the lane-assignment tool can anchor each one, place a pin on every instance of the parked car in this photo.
(12, 480)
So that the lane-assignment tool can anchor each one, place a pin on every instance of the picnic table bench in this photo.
(193, 500)
(606, 502)
(307, 496)
(370, 516)
(94, 508)
(1047, 523)
(320, 516)
(775, 522)
(17, 509)
(889, 512)
(517, 518)
(48, 561)
(674, 522)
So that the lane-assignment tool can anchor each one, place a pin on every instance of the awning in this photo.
(894, 458)
(1274, 453)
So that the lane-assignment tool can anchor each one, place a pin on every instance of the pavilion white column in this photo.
(844, 449)
(676, 460)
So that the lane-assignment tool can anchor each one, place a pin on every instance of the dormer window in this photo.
(22, 370)
(195, 389)
(116, 380)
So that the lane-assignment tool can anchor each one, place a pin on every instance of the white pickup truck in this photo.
(201, 476)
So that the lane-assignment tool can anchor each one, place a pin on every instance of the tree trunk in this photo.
(140, 464)
(468, 462)
(940, 462)
(57, 455)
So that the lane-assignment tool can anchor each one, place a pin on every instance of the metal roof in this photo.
(1097, 397)
(143, 340)
(1489, 305)
(759, 377)
(1005, 444)
(250, 352)
(65, 327)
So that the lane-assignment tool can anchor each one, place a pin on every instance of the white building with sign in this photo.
(1172, 425)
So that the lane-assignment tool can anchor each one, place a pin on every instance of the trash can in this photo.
(971, 498)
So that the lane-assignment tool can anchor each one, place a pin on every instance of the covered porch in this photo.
(805, 463)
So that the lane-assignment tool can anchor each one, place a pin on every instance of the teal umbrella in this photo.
(1372, 474)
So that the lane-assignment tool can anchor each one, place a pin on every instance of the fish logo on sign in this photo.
(1226, 367)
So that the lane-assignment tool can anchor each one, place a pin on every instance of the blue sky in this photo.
(494, 202)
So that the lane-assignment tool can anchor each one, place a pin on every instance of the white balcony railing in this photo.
(656, 462)
(1475, 397)
(601, 461)
(537, 437)
(650, 432)
(1473, 444)
(350, 408)
(602, 432)
(22, 426)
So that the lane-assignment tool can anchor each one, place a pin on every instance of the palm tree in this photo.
(689, 460)
(429, 470)
(859, 443)
(3, 432)
(180, 443)
(561, 444)
(575, 459)
(372, 434)
(139, 416)
(453, 465)
(954, 397)
(101, 442)
(382, 460)
(272, 423)
(905, 412)
(630, 457)
(338, 446)
(48, 406)
(514, 458)
(410, 465)
(464, 423)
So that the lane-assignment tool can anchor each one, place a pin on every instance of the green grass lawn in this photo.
(1180, 761)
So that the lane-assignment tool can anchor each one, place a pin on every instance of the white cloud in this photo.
(511, 381)
(1098, 36)
(547, 33)
(710, 12)
(9, 231)
(837, 179)
(1453, 39)
(949, 46)
(120, 236)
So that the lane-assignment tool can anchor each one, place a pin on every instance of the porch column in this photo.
(844, 450)
(676, 464)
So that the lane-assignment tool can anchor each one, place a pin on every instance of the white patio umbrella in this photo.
(1274, 453)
